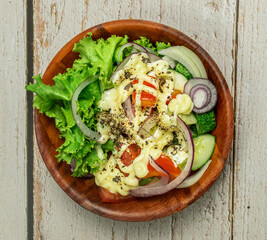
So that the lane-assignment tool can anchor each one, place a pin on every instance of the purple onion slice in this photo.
(153, 190)
(95, 136)
(148, 124)
(203, 94)
(194, 178)
(152, 57)
(129, 109)
(72, 166)
(133, 45)
(150, 50)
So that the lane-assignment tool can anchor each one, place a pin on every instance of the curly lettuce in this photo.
(96, 57)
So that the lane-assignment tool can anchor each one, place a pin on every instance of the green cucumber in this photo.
(204, 147)
(179, 81)
(206, 122)
(188, 119)
(193, 130)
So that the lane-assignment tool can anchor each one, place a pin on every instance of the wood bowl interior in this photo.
(85, 192)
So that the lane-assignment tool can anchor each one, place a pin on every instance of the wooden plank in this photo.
(210, 24)
(250, 188)
(13, 153)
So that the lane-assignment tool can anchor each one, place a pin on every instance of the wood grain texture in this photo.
(13, 154)
(250, 188)
(212, 25)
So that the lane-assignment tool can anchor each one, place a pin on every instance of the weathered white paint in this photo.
(13, 158)
(250, 190)
(212, 24)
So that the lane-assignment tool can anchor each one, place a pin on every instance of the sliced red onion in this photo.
(203, 94)
(163, 181)
(194, 178)
(121, 66)
(149, 123)
(95, 136)
(133, 45)
(129, 109)
(158, 168)
(153, 190)
(150, 50)
(152, 58)
(72, 166)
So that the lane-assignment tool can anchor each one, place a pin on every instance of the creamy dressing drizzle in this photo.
(111, 174)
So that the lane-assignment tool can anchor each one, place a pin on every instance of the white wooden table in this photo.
(32, 206)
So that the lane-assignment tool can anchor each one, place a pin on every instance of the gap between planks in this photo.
(235, 56)
(30, 60)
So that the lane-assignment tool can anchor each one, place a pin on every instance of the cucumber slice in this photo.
(193, 130)
(204, 147)
(179, 81)
(188, 119)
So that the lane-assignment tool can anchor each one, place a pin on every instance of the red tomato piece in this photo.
(152, 172)
(173, 95)
(132, 152)
(147, 99)
(135, 81)
(109, 197)
(167, 164)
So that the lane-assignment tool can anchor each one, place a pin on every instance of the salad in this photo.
(135, 116)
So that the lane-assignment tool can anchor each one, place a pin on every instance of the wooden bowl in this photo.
(85, 192)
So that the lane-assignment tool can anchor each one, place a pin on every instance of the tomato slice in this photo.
(135, 81)
(173, 95)
(152, 172)
(147, 99)
(109, 197)
(167, 164)
(132, 152)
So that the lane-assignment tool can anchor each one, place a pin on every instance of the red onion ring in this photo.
(152, 58)
(194, 178)
(129, 109)
(193, 92)
(72, 166)
(193, 85)
(95, 136)
(150, 50)
(130, 44)
(163, 181)
(149, 123)
(161, 189)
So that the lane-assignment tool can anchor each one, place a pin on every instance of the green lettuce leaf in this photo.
(180, 68)
(143, 41)
(96, 57)
(162, 45)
